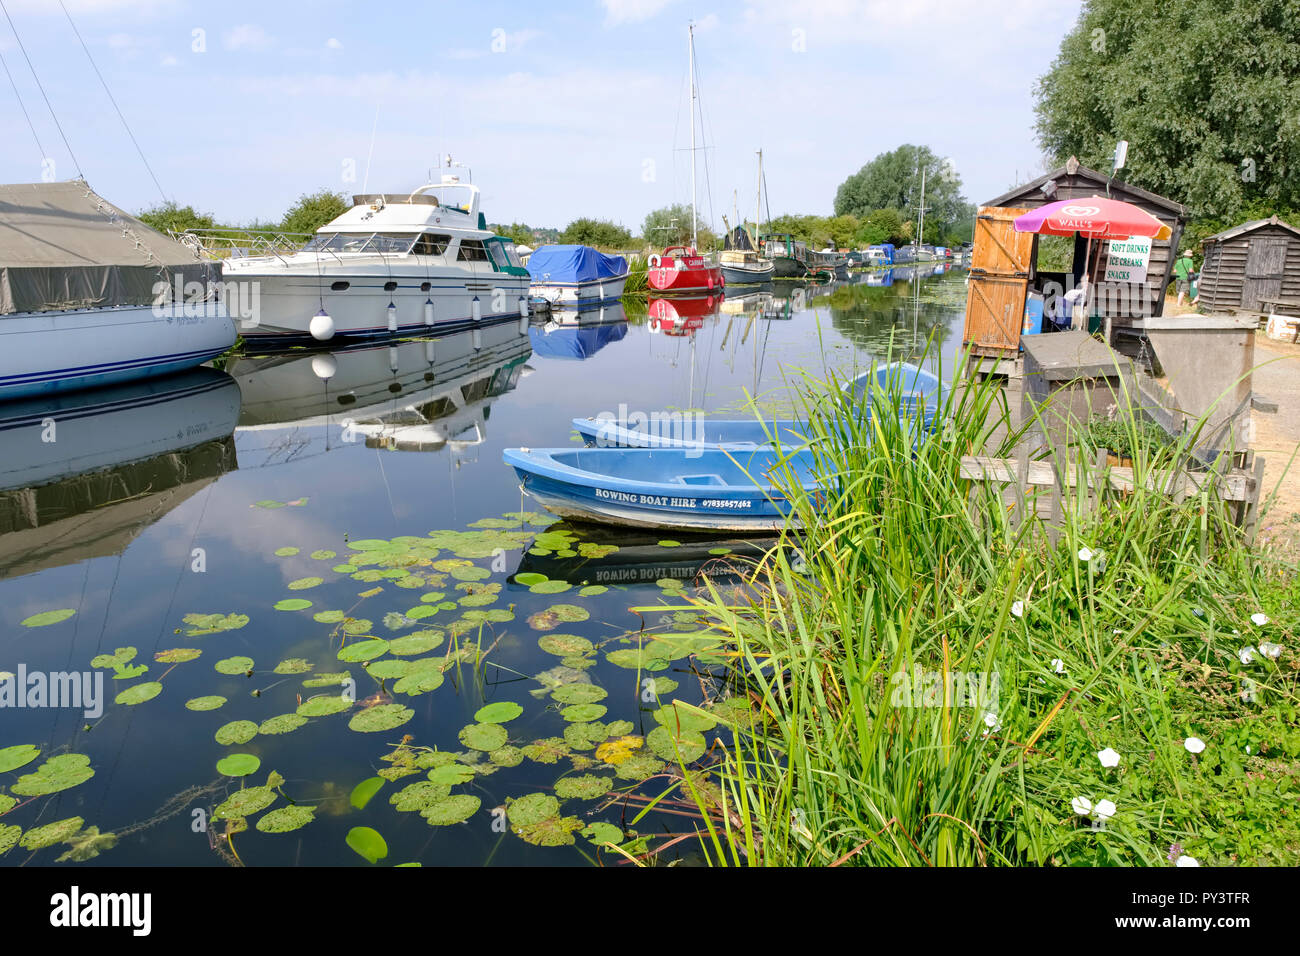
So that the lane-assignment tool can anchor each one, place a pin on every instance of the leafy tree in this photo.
(671, 226)
(311, 212)
(881, 225)
(1205, 92)
(169, 217)
(893, 181)
(596, 232)
(517, 232)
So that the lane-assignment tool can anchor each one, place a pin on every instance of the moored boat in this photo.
(393, 264)
(571, 275)
(680, 270)
(663, 488)
(91, 296)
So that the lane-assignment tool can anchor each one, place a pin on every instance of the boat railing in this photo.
(241, 243)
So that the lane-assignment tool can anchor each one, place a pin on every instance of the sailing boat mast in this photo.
(758, 200)
(920, 229)
(690, 36)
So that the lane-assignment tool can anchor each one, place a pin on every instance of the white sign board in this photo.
(1127, 259)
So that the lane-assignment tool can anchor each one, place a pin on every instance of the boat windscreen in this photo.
(339, 242)
(390, 244)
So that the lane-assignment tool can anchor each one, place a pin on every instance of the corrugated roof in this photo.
(56, 225)
(1178, 210)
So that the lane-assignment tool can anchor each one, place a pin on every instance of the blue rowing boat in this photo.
(662, 487)
(921, 396)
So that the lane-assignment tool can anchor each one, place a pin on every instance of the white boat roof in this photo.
(449, 204)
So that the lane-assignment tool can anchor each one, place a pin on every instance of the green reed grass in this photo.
(905, 564)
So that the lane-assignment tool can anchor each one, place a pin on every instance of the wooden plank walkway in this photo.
(1233, 487)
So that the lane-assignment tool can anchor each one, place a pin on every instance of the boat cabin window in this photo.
(431, 244)
(512, 255)
(339, 242)
(390, 244)
(471, 250)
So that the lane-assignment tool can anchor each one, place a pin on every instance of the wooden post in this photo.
(1022, 484)
(1252, 506)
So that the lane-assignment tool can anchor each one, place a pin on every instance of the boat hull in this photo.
(357, 302)
(747, 275)
(593, 292)
(657, 488)
(47, 353)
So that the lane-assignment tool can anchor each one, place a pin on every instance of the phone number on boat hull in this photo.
(664, 501)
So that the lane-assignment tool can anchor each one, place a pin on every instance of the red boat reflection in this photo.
(682, 316)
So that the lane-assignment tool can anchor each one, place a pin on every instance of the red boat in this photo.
(681, 270)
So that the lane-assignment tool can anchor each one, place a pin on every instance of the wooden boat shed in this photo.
(1004, 263)
(1254, 267)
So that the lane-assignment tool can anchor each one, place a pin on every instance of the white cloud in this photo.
(247, 36)
(333, 43)
(632, 11)
(168, 60)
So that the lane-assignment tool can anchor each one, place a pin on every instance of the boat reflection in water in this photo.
(641, 559)
(415, 395)
(682, 315)
(81, 475)
(578, 334)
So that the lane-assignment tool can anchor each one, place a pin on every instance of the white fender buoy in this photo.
(476, 310)
(325, 366)
(428, 351)
(428, 312)
(477, 339)
(523, 307)
(392, 317)
(392, 358)
(321, 326)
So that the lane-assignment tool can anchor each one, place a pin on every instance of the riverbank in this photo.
(932, 686)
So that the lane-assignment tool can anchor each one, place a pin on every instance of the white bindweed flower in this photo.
(1081, 805)
(1108, 757)
(1247, 748)
(1058, 666)
(1246, 655)
(1270, 650)
(1259, 619)
(1104, 810)
(1186, 860)
(1194, 745)
(1086, 554)
(1017, 608)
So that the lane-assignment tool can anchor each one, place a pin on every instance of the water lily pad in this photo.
(367, 843)
(529, 578)
(585, 736)
(586, 786)
(690, 744)
(201, 624)
(209, 703)
(9, 837)
(139, 693)
(328, 617)
(453, 809)
(677, 717)
(417, 642)
(483, 736)
(344, 568)
(591, 590)
(552, 831)
(129, 671)
(639, 766)
(324, 554)
(293, 665)
(550, 587)
(286, 552)
(601, 833)
(245, 803)
(302, 584)
(388, 669)
(292, 604)
(547, 750)
(579, 694)
(532, 808)
(46, 618)
(284, 724)
(380, 717)
(583, 712)
(498, 713)
(236, 732)
(118, 658)
(357, 625)
(86, 845)
(615, 752)
(366, 650)
(422, 676)
(419, 796)
(365, 791)
(234, 666)
(50, 834)
(238, 765)
(564, 645)
(451, 774)
(11, 758)
(286, 819)
(323, 706)
(332, 679)
(177, 655)
(507, 756)
(633, 658)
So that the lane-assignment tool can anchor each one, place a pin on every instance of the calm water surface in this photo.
(154, 504)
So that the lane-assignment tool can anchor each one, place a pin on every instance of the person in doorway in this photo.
(1183, 275)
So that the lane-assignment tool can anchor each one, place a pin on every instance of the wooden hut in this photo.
(1254, 267)
(1004, 263)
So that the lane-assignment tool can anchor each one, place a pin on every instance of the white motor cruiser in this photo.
(391, 265)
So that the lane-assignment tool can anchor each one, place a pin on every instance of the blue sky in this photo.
(561, 109)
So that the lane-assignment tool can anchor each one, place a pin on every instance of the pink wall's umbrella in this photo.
(1095, 217)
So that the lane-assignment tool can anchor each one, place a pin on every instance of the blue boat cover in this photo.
(575, 342)
(573, 264)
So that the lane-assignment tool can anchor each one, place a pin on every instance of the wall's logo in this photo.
(1080, 210)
